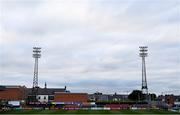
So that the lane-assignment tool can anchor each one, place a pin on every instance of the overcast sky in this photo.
(91, 45)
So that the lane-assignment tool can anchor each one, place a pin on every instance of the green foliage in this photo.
(126, 111)
(2, 103)
(136, 95)
(153, 96)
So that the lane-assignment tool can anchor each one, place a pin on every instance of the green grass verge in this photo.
(152, 111)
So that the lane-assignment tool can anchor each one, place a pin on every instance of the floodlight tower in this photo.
(36, 55)
(143, 53)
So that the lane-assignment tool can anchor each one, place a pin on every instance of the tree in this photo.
(136, 95)
(3, 103)
(153, 97)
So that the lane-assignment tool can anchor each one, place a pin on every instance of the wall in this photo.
(42, 98)
(12, 93)
(70, 97)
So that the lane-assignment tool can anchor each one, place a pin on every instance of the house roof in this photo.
(2, 87)
(47, 91)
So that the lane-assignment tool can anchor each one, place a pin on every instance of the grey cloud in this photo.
(91, 45)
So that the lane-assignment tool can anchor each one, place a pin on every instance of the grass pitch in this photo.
(152, 111)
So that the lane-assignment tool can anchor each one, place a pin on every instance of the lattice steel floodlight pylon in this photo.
(143, 53)
(36, 55)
